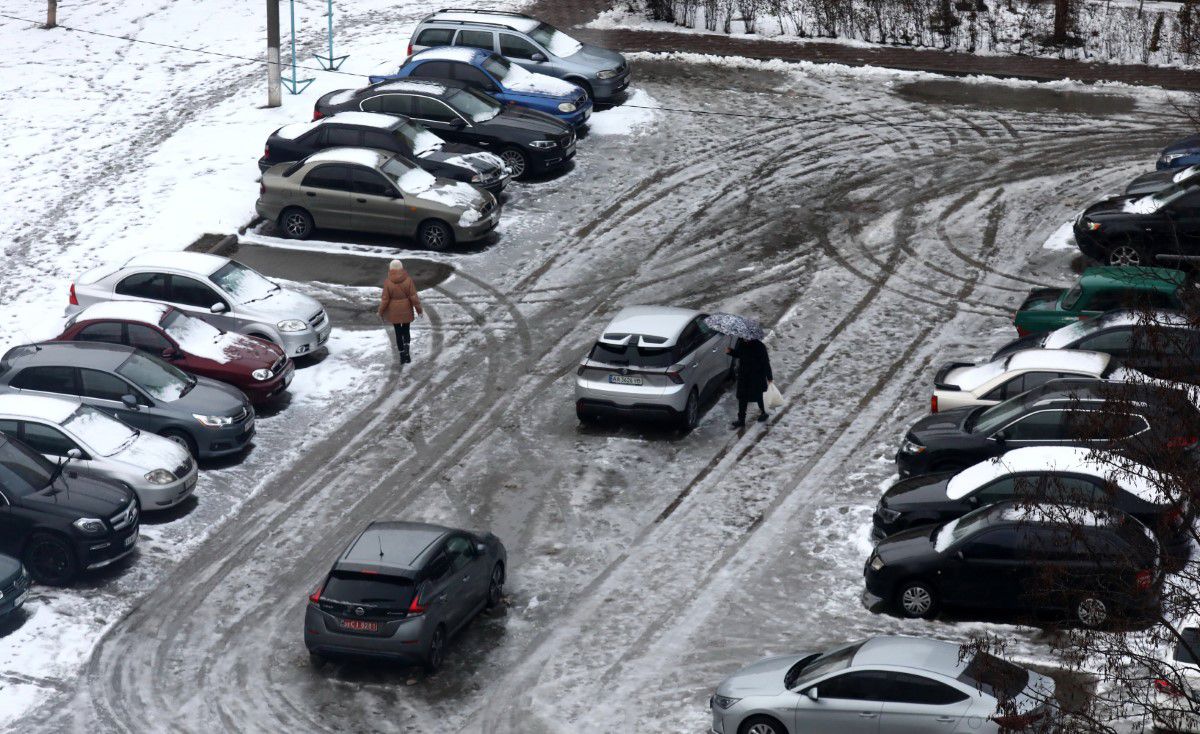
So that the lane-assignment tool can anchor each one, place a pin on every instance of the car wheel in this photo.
(496, 587)
(317, 661)
(437, 650)
(761, 725)
(587, 88)
(586, 416)
(183, 440)
(516, 160)
(1091, 612)
(435, 235)
(690, 417)
(1128, 252)
(916, 599)
(296, 224)
(50, 559)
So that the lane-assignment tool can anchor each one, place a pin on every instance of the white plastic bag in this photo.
(772, 398)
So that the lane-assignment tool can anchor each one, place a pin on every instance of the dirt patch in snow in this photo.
(1023, 98)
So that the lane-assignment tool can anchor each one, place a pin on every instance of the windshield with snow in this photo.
(244, 284)
(159, 379)
(473, 105)
(101, 433)
(559, 43)
(418, 138)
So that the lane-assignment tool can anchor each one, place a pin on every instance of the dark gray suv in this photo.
(207, 417)
(401, 590)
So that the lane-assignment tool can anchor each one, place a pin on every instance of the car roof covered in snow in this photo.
(515, 21)
(662, 324)
(920, 653)
(414, 86)
(1120, 317)
(191, 262)
(1075, 360)
(465, 54)
(376, 120)
(55, 410)
(393, 545)
(1140, 481)
(357, 156)
(141, 311)
(99, 355)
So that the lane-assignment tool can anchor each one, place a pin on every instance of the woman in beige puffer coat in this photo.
(399, 305)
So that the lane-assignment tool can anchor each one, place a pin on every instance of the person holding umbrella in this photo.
(399, 305)
(754, 364)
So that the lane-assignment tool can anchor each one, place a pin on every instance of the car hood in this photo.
(441, 191)
(148, 452)
(1151, 183)
(9, 569)
(1031, 341)
(465, 156)
(541, 85)
(529, 121)
(281, 304)
(938, 427)
(1118, 207)
(597, 57)
(233, 352)
(908, 494)
(209, 397)
(75, 497)
(763, 678)
(913, 543)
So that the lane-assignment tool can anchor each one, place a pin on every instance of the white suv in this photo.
(962, 384)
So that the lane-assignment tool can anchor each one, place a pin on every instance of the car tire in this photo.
(1130, 250)
(587, 88)
(496, 587)
(916, 599)
(516, 160)
(436, 654)
(296, 224)
(316, 660)
(182, 439)
(586, 417)
(761, 725)
(435, 235)
(1090, 611)
(50, 559)
(689, 417)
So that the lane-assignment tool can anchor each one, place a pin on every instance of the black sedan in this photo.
(1143, 230)
(529, 142)
(391, 133)
(61, 525)
(14, 585)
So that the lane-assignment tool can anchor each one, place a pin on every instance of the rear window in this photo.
(435, 37)
(634, 356)
(368, 588)
(996, 677)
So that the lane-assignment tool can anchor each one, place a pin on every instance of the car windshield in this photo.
(987, 421)
(23, 471)
(471, 104)
(998, 678)
(1173, 192)
(244, 284)
(1071, 297)
(1072, 333)
(961, 527)
(159, 379)
(816, 666)
(104, 435)
(633, 356)
(559, 43)
(415, 136)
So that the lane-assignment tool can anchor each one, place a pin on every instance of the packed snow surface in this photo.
(636, 114)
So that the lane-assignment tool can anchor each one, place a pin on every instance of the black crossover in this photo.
(1145, 229)
(14, 585)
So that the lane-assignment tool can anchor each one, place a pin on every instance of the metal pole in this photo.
(274, 93)
(292, 6)
(331, 32)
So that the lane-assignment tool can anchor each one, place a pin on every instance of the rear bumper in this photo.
(642, 411)
(409, 643)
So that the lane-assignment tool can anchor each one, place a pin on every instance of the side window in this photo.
(47, 440)
(1158, 299)
(1030, 380)
(461, 552)
(516, 47)
(998, 491)
(428, 108)
(432, 70)
(189, 292)
(397, 104)
(336, 137)
(474, 77)
(1006, 390)
(1072, 489)
(9, 428)
(1044, 425)
(1105, 301)
(144, 285)
(907, 688)
(103, 386)
(372, 139)
(478, 39)
(440, 567)
(103, 331)
(1116, 341)
(993, 545)
(690, 339)
(47, 379)
(864, 685)
(146, 339)
(434, 37)
(369, 182)
(327, 177)
(1092, 425)
(374, 104)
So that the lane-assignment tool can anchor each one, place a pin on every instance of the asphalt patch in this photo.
(1024, 98)
(332, 267)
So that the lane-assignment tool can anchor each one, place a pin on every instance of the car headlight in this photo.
(214, 421)
(1090, 225)
(1168, 157)
(566, 107)
(291, 325)
(543, 144)
(262, 374)
(876, 561)
(160, 476)
(90, 526)
(607, 74)
(911, 447)
(476, 178)
(887, 514)
(723, 702)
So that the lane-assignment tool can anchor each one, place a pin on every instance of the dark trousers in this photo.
(742, 408)
(402, 338)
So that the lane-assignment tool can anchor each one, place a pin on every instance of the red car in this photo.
(255, 366)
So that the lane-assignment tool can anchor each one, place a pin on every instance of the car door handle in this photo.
(693, 364)
(946, 719)
(309, 193)
(867, 714)
(467, 577)
(361, 201)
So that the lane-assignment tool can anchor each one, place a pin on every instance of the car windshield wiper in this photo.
(266, 295)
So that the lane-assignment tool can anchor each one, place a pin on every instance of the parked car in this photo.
(1023, 558)
(206, 417)
(402, 589)
(1143, 230)
(57, 525)
(1172, 703)
(1183, 152)
(374, 191)
(1058, 413)
(89, 443)
(894, 685)
(255, 366)
(966, 385)
(1155, 181)
(504, 81)
(528, 142)
(652, 362)
(399, 135)
(1055, 474)
(1098, 290)
(530, 43)
(14, 585)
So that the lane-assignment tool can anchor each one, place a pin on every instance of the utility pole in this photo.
(51, 14)
(274, 94)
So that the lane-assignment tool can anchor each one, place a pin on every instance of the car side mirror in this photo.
(170, 353)
(538, 57)
(1000, 437)
(959, 555)
(74, 454)
(130, 401)
(812, 694)
(218, 308)
(458, 123)
(481, 549)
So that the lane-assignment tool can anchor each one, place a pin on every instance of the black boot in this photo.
(762, 417)
(404, 357)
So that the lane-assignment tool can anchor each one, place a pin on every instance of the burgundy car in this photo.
(255, 366)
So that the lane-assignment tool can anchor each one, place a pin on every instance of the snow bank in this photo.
(638, 112)
(1063, 238)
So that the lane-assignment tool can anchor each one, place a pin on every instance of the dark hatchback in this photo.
(529, 142)
(401, 135)
(1143, 230)
(14, 585)
(58, 525)
(1021, 558)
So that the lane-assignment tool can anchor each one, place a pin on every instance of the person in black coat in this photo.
(753, 374)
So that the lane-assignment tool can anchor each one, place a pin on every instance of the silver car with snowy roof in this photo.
(92, 444)
(223, 292)
(369, 190)
(652, 362)
(964, 384)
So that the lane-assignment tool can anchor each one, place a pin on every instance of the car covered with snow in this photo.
(1097, 290)
(223, 292)
(400, 135)
(1163, 227)
(367, 190)
(255, 366)
(1155, 181)
(530, 43)
(498, 77)
(93, 444)
(964, 384)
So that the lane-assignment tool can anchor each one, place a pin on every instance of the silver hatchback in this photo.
(652, 362)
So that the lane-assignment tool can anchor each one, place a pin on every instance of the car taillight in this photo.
(262, 188)
(1165, 686)
(267, 152)
(675, 377)
(73, 300)
(1181, 442)
(410, 48)
(317, 114)
(416, 607)
(1017, 721)
(933, 404)
(315, 597)
(1022, 332)
(1143, 580)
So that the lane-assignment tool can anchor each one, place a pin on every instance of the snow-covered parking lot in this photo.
(880, 223)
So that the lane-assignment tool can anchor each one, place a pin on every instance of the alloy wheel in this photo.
(435, 237)
(1124, 255)
(761, 728)
(49, 559)
(1091, 612)
(515, 161)
(295, 225)
(916, 601)
(496, 588)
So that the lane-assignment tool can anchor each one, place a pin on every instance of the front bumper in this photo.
(1090, 244)
(13, 597)
(604, 90)
(909, 465)
(408, 643)
(215, 442)
(261, 392)
(301, 343)
(162, 496)
(480, 229)
(546, 160)
(98, 553)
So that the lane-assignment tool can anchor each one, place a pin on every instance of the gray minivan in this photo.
(529, 43)
(207, 417)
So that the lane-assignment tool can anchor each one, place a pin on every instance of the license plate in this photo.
(625, 380)
(321, 338)
(358, 625)
(132, 538)
(20, 600)
(190, 483)
(287, 378)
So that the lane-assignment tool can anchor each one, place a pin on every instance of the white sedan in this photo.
(962, 384)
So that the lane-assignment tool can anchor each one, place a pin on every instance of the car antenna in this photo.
(380, 539)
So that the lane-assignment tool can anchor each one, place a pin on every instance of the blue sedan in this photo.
(495, 75)
(1185, 152)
